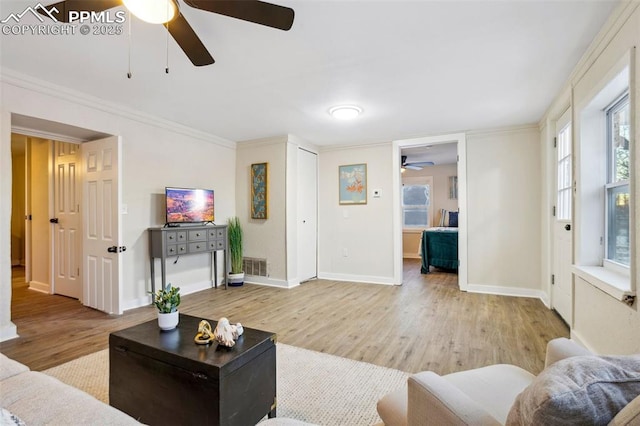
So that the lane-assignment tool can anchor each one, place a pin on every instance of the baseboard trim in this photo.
(41, 287)
(507, 291)
(270, 282)
(184, 290)
(356, 278)
(411, 256)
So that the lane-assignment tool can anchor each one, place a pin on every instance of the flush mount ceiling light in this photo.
(345, 112)
(153, 11)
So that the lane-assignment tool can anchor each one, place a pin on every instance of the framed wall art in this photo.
(259, 191)
(352, 180)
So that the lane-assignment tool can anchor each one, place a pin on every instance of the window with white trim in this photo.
(617, 186)
(604, 249)
(415, 205)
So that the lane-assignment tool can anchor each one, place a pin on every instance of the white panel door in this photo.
(562, 284)
(307, 215)
(67, 231)
(101, 224)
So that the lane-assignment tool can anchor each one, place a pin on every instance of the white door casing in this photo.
(307, 214)
(101, 224)
(562, 286)
(461, 143)
(67, 231)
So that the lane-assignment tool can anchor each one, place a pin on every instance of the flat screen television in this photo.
(189, 205)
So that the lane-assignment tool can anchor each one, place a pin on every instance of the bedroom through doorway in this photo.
(431, 236)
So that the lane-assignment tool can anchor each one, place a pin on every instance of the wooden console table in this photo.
(179, 241)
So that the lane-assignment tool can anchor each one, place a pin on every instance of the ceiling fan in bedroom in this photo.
(168, 14)
(416, 165)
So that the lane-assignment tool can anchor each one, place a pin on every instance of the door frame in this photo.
(461, 141)
(565, 118)
(51, 137)
(39, 132)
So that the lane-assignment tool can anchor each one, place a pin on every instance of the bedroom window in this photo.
(617, 185)
(415, 205)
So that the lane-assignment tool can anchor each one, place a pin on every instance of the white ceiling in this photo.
(416, 67)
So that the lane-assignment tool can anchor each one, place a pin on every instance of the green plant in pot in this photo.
(236, 276)
(167, 300)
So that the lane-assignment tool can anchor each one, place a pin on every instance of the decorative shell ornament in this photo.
(226, 333)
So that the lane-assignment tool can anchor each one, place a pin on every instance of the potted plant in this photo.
(167, 301)
(236, 276)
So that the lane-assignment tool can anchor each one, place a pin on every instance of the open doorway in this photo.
(447, 193)
(67, 171)
(429, 199)
(45, 220)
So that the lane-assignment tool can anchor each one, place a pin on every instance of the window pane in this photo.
(620, 129)
(415, 195)
(618, 229)
(564, 205)
(417, 218)
(564, 174)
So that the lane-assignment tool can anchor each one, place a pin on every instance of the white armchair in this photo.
(485, 396)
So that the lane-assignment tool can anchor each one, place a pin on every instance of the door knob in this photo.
(54, 220)
(567, 227)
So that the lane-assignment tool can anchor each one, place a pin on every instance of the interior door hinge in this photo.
(553, 212)
(553, 279)
(555, 142)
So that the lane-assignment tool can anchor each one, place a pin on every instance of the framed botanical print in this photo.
(352, 180)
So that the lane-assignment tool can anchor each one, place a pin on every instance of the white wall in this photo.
(155, 154)
(364, 231)
(7, 328)
(503, 199)
(264, 238)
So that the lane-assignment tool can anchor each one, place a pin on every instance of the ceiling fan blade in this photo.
(189, 41)
(60, 11)
(412, 167)
(259, 12)
(421, 163)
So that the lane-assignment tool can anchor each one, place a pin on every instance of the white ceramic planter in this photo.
(168, 321)
(235, 280)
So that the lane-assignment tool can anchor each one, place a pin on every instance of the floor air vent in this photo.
(256, 267)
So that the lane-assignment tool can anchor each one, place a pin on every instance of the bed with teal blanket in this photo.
(439, 248)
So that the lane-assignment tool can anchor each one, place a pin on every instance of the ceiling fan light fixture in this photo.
(345, 112)
(153, 11)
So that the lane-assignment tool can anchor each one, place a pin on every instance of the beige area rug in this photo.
(313, 387)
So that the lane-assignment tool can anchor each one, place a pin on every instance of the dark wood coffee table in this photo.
(163, 377)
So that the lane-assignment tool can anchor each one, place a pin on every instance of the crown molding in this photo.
(330, 148)
(20, 80)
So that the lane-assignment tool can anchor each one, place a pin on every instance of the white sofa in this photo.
(575, 384)
(35, 399)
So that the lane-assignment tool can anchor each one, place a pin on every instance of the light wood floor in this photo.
(425, 324)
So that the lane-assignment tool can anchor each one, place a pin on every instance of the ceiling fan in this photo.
(418, 165)
(259, 12)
